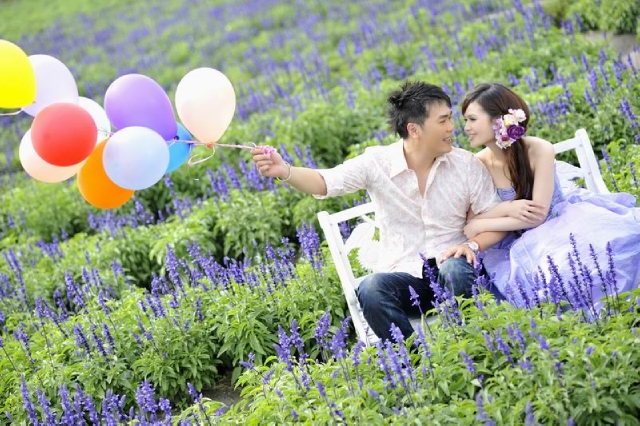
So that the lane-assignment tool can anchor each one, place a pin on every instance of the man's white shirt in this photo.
(410, 224)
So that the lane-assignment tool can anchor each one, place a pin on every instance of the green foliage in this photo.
(41, 210)
(245, 219)
(178, 233)
(557, 9)
(43, 272)
(622, 172)
(330, 129)
(131, 250)
(16, 20)
(174, 357)
(251, 318)
(183, 346)
(588, 373)
(617, 16)
(613, 16)
(338, 107)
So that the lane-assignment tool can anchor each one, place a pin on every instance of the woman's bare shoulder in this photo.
(538, 147)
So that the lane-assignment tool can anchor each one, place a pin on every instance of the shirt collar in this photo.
(399, 162)
(396, 157)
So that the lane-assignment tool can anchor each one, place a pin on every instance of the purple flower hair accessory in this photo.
(507, 128)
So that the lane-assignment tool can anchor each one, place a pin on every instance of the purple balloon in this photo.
(137, 100)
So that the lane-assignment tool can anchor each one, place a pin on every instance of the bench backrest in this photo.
(586, 159)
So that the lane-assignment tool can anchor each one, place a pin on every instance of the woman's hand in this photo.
(269, 163)
(527, 211)
(473, 228)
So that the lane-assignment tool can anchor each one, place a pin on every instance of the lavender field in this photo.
(133, 315)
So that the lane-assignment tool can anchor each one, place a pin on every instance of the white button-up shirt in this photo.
(410, 224)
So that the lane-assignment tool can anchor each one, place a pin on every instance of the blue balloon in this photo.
(135, 157)
(179, 151)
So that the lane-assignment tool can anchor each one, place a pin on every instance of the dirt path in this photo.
(223, 391)
(626, 44)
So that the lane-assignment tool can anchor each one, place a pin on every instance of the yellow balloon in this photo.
(17, 78)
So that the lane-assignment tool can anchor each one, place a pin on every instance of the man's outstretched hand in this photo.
(269, 163)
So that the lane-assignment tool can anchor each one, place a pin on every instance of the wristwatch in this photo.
(473, 246)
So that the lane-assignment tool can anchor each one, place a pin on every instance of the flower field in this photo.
(132, 315)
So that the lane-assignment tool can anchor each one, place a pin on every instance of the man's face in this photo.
(436, 131)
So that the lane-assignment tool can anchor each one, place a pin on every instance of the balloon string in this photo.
(6, 114)
(247, 147)
(192, 160)
(192, 142)
(221, 145)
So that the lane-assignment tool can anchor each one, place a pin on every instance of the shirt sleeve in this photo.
(483, 192)
(348, 177)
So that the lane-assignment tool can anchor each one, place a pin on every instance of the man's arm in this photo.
(352, 175)
(307, 180)
(488, 239)
(303, 179)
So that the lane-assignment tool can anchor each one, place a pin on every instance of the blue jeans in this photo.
(385, 298)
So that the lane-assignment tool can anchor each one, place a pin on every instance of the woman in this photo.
(577, 247)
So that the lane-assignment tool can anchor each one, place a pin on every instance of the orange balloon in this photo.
(96, 187)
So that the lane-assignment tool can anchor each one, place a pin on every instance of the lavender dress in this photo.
(567, 256)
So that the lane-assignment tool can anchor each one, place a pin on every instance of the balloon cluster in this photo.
(71, 134)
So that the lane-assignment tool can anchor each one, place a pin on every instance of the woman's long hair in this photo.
(497, 100)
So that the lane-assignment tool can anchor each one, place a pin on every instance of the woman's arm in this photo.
(501, 210)
(526, 210)
(478, 226)
(542, 157)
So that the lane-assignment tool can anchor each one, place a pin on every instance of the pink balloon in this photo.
(205, 102)
(39, 169)
(54, 84)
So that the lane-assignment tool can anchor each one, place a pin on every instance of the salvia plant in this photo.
(131, 316)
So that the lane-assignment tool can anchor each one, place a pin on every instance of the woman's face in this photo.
(478, 125)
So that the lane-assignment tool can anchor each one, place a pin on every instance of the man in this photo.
(422, 189)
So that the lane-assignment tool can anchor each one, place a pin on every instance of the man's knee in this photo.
(457, 275)
(371, 288)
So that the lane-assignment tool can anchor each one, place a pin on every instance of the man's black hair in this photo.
(411, 104)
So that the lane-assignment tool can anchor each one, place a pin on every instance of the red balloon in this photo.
(63, 134)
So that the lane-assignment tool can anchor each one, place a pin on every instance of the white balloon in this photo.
(39, 169)
(205, 102)
(135, 157)
(54, 83)
(99, 116)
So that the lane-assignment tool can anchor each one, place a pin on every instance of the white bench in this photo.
(362, 234)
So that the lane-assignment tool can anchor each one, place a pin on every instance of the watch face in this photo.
(473, 245)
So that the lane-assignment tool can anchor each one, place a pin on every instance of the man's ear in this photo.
(412, 130)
